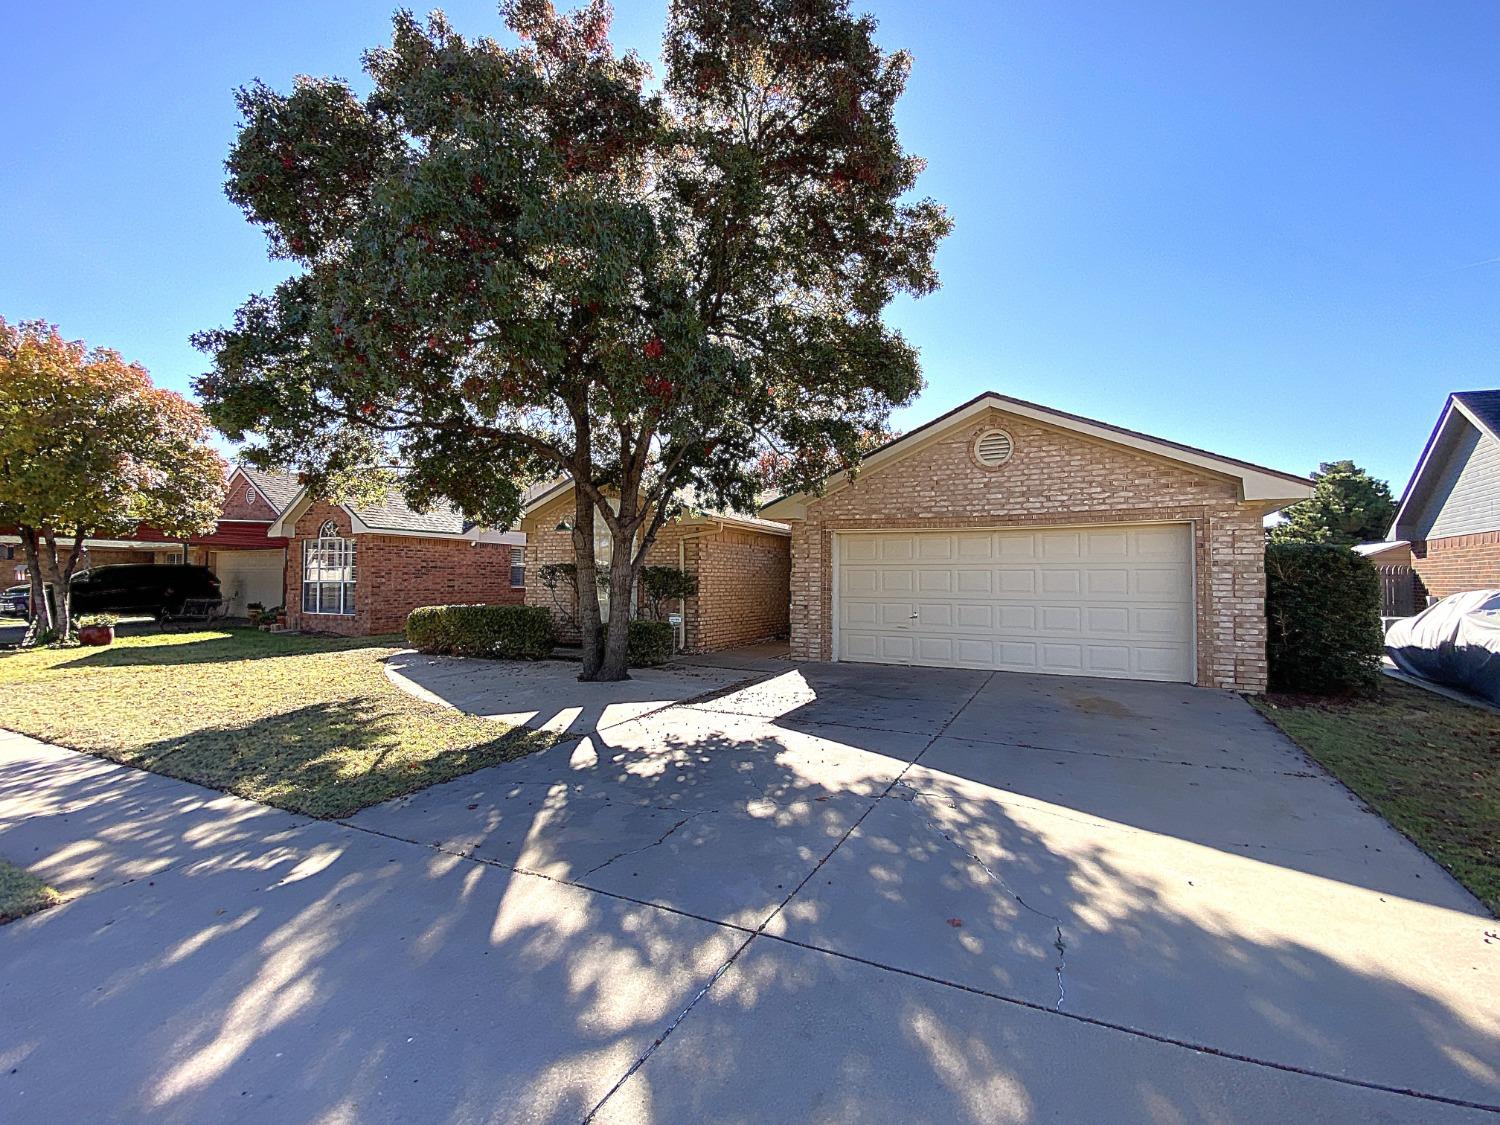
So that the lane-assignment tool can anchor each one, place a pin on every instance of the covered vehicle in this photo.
(154, 588)
(1455, 642)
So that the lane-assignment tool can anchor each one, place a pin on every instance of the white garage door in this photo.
(1096, 601)
(250, 576)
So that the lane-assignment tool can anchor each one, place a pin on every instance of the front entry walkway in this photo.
(832, 893)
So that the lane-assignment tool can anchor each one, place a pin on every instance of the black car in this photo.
(15, 601)
(142, 588)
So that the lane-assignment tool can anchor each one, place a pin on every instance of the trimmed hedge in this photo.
(510, 632)
(649, 643)
(1323, 629)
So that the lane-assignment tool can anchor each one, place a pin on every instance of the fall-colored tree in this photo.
(520, 261)
(88, 447)
(1347, 506)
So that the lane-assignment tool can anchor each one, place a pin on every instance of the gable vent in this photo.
(993, 447)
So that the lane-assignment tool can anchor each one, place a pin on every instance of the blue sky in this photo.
(1253, 227)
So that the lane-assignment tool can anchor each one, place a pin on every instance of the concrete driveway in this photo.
(839, 893)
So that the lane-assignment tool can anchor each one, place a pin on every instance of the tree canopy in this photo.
(1347, 506)
(89, 447)
(518, 261)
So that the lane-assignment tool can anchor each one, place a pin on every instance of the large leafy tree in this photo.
(1347, 506)
(520, 261)
(89, 447)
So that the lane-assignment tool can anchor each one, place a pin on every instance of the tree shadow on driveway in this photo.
(834, 938)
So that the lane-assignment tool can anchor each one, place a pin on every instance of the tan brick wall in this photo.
(742, 575)
(1053, 477)
(394, 574)
(744, 580)
(242, 502)
(1456, 563)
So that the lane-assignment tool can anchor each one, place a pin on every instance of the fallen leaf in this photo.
(955, 922)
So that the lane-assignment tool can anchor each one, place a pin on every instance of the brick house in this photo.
(1012, 536)
(742, 564)
(1450, 511)
(360, 569)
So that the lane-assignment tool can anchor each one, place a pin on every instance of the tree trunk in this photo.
(57, 575)
(41, 611)
(622, 575)
(586, 579)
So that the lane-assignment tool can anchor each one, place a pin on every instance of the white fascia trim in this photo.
(770, 527)
(1254, 484)
(1439, 434)
(286, 523)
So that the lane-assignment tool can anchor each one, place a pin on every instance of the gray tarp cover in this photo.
(1455, 642)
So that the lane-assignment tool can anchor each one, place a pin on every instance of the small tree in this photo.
(1323, 632)
(663, 584)
(520, 261)
(1347, 506)
(88, 447)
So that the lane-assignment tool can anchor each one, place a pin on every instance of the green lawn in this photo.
(22, 893)
(309, 724)
(1429, 765)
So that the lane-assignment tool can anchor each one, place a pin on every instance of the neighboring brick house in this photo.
(1450, 511)
(742, 564)
(359, 569)
(1012, 536)
(249, 562)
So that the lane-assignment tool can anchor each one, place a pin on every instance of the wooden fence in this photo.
(1398, 593)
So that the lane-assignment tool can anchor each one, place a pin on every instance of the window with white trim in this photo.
(328, 572)
(518, 566)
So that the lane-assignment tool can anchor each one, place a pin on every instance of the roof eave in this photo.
(1257, 484)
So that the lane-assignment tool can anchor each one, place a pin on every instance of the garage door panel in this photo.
(1109, 581)
(897, 548)
(1061, 581)
(975, 547)
(1061, 619)
(1108, 660)
(1016, 581)
(1107, 601)
(1016, 618)
(1107, 620)
(898, 648)
(936, 650)
(1062, 658)
(1107, 544)
(973, 616)
(1164, 542)
(897, 580)
(935, 614)
(1159, 581)
(898, 614)
(1017, 547)
(1016, 655)
(1160, 622)
(935, 581)
(935, 548)
(974, 581)
(1163, 663)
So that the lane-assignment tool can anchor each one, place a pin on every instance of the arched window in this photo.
(328, 572)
